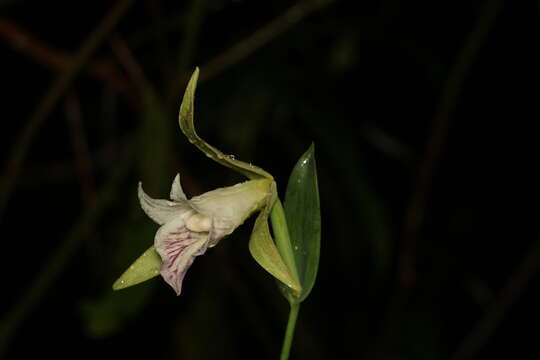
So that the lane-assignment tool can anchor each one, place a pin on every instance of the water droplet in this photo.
(122, 281)
(231, 157)
(296, 247)
(132, 267)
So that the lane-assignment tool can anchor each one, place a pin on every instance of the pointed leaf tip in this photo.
(144, 268)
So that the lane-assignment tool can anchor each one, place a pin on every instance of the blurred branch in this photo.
(292, 16)
(437, 140)
(20, 39)
(83, 159)
(242, 49)
(386, 143)
(158, 36)
(413, 219)
(52, 269)
(103, 159)
(192, 26)
(484, 329)
(50, 100)
(129, 63)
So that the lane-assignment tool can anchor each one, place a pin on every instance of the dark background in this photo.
(423, 116)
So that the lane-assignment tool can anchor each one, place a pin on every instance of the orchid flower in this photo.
(190, 227)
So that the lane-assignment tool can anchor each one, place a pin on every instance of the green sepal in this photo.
(261, 245)
(145, 267)
(188, 128)
(264, 250)
(302, 210)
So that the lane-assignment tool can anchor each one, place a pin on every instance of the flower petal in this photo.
(229, 207)
(177, 193)
(161, 211)
(178, 247)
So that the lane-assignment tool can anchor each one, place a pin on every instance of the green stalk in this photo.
(283, 243)
(289, 334)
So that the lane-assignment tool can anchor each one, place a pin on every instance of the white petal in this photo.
(177, 193)
(160, 210)
(178, 247)
(230, 206)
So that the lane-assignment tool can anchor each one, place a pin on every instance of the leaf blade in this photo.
(302, 209)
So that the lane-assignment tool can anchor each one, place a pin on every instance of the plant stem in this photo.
(283, 243)
(289, 334)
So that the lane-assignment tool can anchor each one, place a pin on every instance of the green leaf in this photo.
(145, 267)
(302, 209)
(188, 128)
(264, 250)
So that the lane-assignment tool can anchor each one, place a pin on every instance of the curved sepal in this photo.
(265, 252)
(188, 128)
(144, 268)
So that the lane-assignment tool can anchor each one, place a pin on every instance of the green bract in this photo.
(302, 210)
(189, 227)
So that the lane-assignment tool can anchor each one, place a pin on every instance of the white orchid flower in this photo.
(189, 227)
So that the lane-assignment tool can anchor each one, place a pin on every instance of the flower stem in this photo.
(289, 334)
(284, 245)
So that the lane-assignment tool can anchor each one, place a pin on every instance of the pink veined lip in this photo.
(174, 245)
